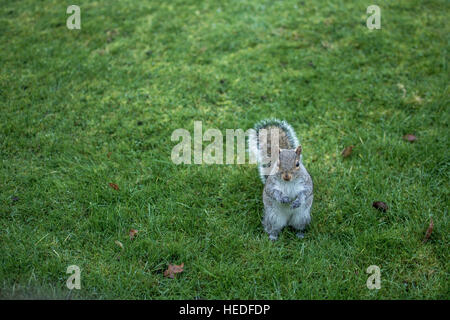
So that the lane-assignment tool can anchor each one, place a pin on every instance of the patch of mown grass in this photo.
(82, 109)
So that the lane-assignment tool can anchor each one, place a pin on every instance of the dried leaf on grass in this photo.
(347, 151)
(380, 205)
(114, 186)
(429, 231)
(409, 137)
(119, 244)
(133, 233)
(173, 269)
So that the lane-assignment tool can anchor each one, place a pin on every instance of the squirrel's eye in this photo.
(297, 164)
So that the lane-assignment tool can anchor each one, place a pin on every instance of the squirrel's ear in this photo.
(298, 150)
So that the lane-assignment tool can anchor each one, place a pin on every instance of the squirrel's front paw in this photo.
(296, 204)
(285, 200)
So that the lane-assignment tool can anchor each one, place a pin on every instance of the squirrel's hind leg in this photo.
(300, 220)
(300, 235)
(273, 223)
(273, 237)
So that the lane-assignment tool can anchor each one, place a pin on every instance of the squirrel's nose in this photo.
(286, 177)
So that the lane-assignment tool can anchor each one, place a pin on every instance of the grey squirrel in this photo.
(288, 187)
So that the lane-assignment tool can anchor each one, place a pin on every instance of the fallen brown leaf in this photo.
(114, 186)
(429, 231)
(133, 232)
(109, 154)
(380, 205)
(347, 151)
(119, 244)
(409, 137)
(173, 269)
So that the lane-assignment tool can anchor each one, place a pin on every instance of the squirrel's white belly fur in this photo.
(278, 215)
(290, 190)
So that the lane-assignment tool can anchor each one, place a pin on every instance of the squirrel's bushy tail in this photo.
(286, 136)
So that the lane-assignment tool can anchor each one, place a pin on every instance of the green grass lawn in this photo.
(84, 108)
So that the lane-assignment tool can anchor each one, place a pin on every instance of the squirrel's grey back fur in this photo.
(288, 189)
